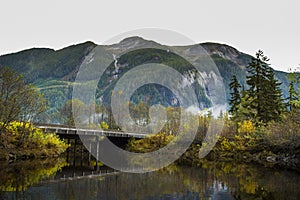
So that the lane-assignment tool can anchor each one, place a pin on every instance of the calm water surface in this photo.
(56, 179)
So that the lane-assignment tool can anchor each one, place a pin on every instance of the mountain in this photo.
(41, 63)
(53, 72)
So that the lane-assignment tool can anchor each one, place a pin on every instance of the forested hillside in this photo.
(53, 71)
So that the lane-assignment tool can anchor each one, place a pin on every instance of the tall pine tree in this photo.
(235, 99)
(263, 96)
(293, 96)
(273, 98)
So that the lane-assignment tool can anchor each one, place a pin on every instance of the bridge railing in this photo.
(89, 132)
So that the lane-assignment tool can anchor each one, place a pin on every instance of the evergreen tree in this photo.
(293, 96)
(245, 112)
(294, 90)
(273, 98)
(235, 99)
(263, 96)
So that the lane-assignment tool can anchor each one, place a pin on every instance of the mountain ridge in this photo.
(223, 50)
(54, 71)
(64, 62)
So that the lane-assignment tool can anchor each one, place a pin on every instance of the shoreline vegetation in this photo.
(262, 145)
(20, 140)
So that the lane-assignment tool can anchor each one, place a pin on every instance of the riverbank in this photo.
(246, 148)
(20, 140)
(269, 157)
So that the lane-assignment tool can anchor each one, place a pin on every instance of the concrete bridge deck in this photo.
(89, 132)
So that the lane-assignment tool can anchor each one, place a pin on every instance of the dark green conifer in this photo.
(263, 95)
(235, 99)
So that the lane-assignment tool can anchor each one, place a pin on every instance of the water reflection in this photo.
(21, 175)
(211, 180)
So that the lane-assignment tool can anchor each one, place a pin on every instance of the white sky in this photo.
(272, 26)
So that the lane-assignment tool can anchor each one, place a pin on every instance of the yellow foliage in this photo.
(246, 127)
(23, 139)
(226, 145)
(104, 125)
(151, 143)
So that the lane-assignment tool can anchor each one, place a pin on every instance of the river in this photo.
(57, 179)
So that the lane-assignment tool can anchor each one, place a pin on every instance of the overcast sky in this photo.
(272, 26)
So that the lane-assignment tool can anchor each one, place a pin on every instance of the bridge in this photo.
(65, 131)
(92, 139)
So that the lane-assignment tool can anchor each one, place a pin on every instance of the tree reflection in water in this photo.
(19, 176)
(211, 180)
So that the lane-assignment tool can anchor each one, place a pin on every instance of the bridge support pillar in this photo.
(74, 152)
(81, 155)
(97, 153)
(90, 152)
(68, 149)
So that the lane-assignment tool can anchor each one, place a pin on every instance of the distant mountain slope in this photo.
(43, 63)
(54, 72)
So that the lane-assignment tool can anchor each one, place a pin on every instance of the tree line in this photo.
(262, 101)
